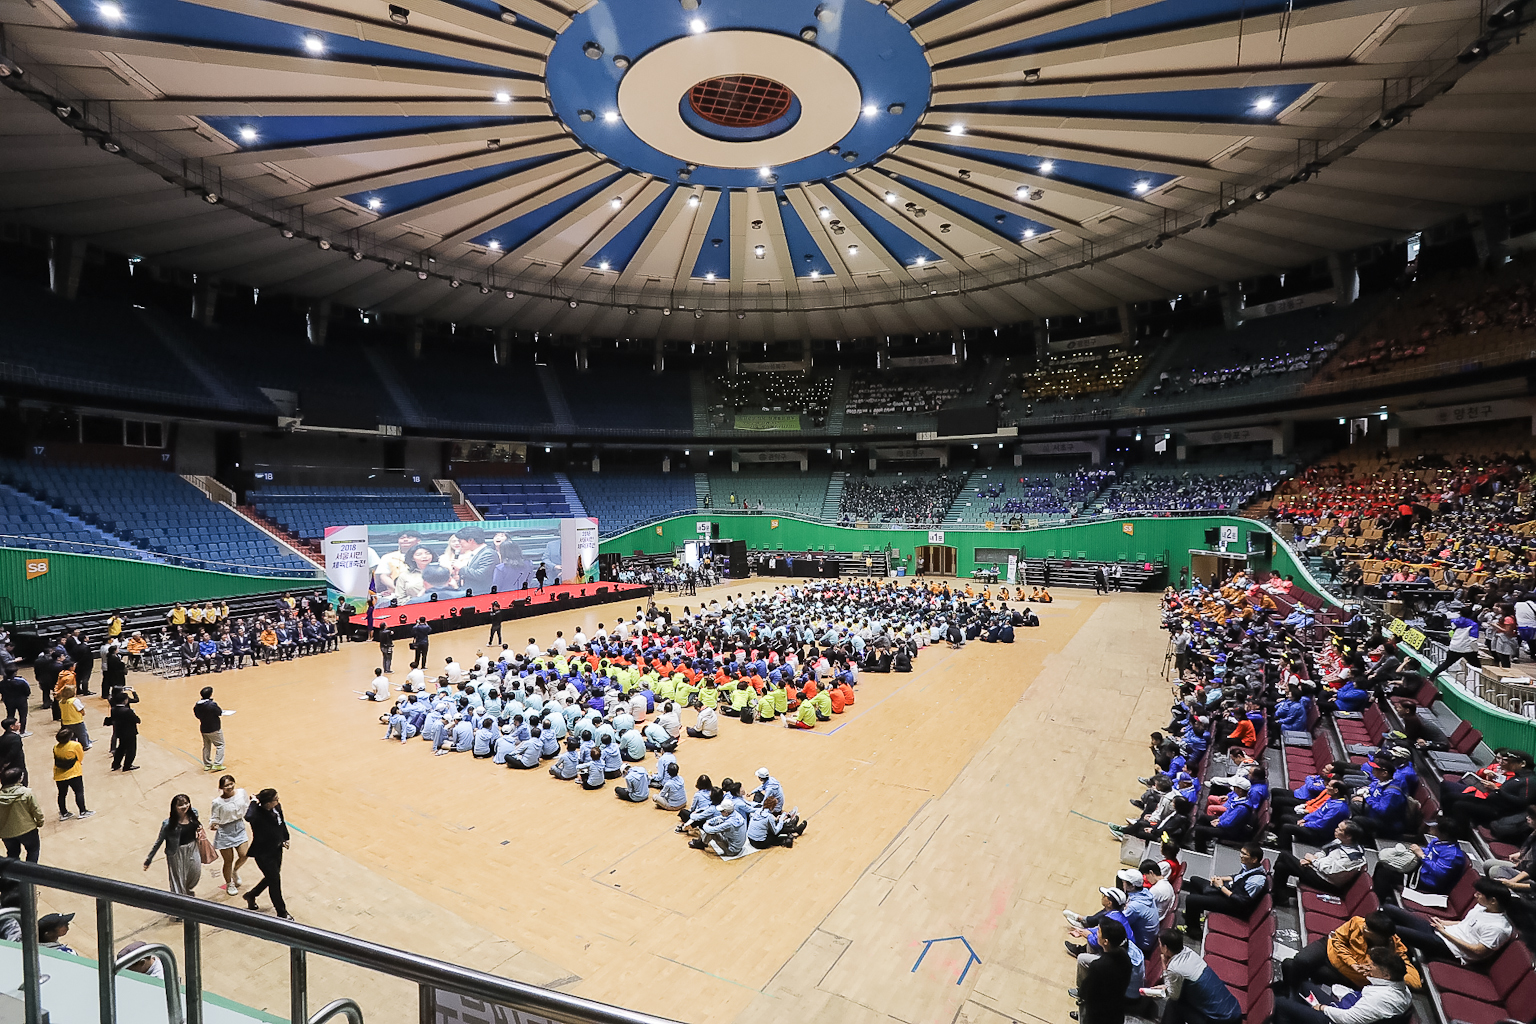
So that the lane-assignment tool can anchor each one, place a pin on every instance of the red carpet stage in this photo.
(462, 612)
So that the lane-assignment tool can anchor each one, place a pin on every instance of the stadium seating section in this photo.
(306, 511)
(620, 392)
(30, 523)
(797, 494)
(158, 512)
(619, 500)
(522, 497)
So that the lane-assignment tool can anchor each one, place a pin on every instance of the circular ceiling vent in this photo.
(740, 101)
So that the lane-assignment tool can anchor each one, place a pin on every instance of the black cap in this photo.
(50, 921)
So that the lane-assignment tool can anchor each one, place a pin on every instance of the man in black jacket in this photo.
(114, 671)
(125, 731)
(419, 640)
(11, 753)
(1101, 995)
(84, 654)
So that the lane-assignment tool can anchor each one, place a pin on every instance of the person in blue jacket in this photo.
(1350, 697)
(636, 787)
(1381, 807)
(1236, 822)
(1291, 713)
(1316, 827)
(1441, 865)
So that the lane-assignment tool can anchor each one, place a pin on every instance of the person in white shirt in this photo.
(670, 720)
(1474, 939)
(454, 671)
(1158, 887)
(532, 651)
(1385, 996)
(378, 689)
(559, 645)
(580, 639)
(415, 681)
(708, 726)
(482, 663)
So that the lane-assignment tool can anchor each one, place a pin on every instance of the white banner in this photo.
(346, 560)
(1475, 412)
(935, 536)
(1013, 567)
(1287, 305)
(1086, 344)
(578, 549)
(1231, 435)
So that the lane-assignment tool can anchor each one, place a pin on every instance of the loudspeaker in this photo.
(469, 592)
(602, 590)
(1213, 535)
(562, 596)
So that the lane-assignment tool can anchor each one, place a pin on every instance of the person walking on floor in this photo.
(230, 836)
(20, 816)
(69, 772)
(386, 641)
(269, 838)
(15, 691)
(12, 753)
(210, 720)
(179, 834)
(125, 731)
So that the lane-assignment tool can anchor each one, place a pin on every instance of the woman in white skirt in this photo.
(178, 833)
(230, 837)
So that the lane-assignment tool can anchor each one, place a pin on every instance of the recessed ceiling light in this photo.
(603, 265)
(709, 276)
(616, 202)
(765, 172)
(1029, 232)
(697, 25)
(611, 116)
(314, 44)
(853, 250)
(815, 273)
(375, 203)
(1264, 104)
(891, 197)
(503, 97)
(1142, 186)
(825, 213)
(1047, 166)
(759, 251)
(110, 11)
(871, 110)
(493, 245)
(247, 133)
(693, 200)
(957, 129)
(920, 260)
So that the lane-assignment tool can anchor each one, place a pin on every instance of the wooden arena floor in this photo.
(948, 802)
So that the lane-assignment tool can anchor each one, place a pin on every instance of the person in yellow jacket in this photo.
(72, 715)
(765, 708)
(741, 696)
(822, 703)
(805, 717)
(69, 773)
(709, 695)
(780, 700)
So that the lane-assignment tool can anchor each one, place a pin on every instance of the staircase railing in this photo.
(433, 978)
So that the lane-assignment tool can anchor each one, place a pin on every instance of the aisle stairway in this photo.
(578, 510)
(838, 403)
(832, 505)
(956, 510)
(701, 490)
(310, 549)
(554, 394)
(466, 513)
(698, 388)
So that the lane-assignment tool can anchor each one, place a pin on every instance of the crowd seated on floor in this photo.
(1455, 316)
(1415, 523)
(1144, 491)
(1385, 884)
(917, 499)
(796, 393)
(599, 709)
(900, 393)
(1226, 375)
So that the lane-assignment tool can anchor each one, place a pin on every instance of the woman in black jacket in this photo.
(125, 730)
(269, 838)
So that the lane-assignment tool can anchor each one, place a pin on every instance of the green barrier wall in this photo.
(85, 583)
(1150, 540)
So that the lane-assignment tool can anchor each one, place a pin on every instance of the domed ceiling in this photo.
(752, 168)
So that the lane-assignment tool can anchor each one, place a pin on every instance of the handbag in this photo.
(205, 851)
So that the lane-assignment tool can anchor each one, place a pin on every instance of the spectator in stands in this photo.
(1195, 994)
(1474, 939)
(1236, 895)
(1332, 869)
(1439, 864)
(1385, 996)
(1103, 983)
(1340, 957)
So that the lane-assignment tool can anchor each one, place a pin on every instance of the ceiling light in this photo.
(853, 250)
(696, 26)
(759, 251)
(1264, 104)
(921, 260)
(690, 5)
(891, 197)
(324, 243)
(421, 275)
(64, 110)
(210, 198)
(709, 275)
(765, 172)
(454, 283)
(825, 213)
(815, 273)
(957, 129)
(698, 314)
(1029, 232)
(508, 17)
(510, 293)
(825, 14)
(1021, 193)
(357, 255)
(399, 15)
(666, 310)
(247, 133)
(110, 146)
(603, 265)
(572, 304)
(693, 200)
(1142, 186)
(871, 110)
(110, 11)
(314, 44)
(620, 61)
(287, 232)
(1031, 76)
(808, 33)
(616, 202)
(1046, 166)
(503, 97)
(375, 203)
(611, 116)
(585, 115)
(493, 245)
(592, 49)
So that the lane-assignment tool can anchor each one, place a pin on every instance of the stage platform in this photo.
(462, 612)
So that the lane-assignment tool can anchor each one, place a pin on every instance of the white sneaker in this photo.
(1074, 920)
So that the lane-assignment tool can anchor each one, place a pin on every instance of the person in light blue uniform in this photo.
(725, 833)
(505, 746)
(672, 795)
(636, 787)
(568, 765)
(623, 722)
(527, 753)
(663, 761)
(592, 776)
(457, 739)
(549, 743)
(611, 756)
(768, 786)
(632, 745)
(398, 725)
(485, 738)
(433, 730)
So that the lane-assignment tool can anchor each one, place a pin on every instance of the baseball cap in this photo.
(762, 773)
(1129, 875)
(1241, 783)
(1116, 896)
(54, 920)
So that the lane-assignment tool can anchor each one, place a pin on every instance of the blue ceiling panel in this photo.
(515, 232)
(803, 250)
(394, 198)
(1259, 103)
(715, 254)
(298, 131)
(1119, 180)
(621, 248)
(1012, 225)
(898, 243)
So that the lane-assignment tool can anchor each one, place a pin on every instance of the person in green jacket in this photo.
(741, 695)
(805, 716)
(764, 705)
(822, 703)
(780, 700)
(709, 695)
(20, 816)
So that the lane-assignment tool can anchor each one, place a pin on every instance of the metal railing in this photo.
(123, 551)
(429, 975)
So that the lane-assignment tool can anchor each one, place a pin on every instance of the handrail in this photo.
(428, 973)
(163, 953)
(338, 1007)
